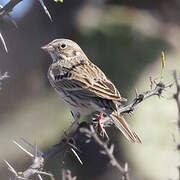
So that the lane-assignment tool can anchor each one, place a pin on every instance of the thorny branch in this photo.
(12, 3)
(107, 151)
(69, 139)
(157, 91)
(39, 158)
(140, 97)
(9, 7)
(36, 167)
(5, 10)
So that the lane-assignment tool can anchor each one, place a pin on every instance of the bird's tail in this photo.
(123, 126)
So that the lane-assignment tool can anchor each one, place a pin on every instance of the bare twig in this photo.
(107, 151)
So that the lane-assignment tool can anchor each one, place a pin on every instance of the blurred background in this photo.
(125, 39)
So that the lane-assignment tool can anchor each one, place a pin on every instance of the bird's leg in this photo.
(100, 127)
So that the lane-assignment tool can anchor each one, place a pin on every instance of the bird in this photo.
(83, 86)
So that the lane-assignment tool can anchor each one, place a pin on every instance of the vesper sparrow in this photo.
(83, 86)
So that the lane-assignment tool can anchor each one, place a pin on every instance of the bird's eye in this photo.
(63, 46)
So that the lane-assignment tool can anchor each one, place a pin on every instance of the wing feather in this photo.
(87, 80)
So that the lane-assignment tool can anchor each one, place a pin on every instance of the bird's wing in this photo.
(88, 80)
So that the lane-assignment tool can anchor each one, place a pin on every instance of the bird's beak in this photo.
(47, 48)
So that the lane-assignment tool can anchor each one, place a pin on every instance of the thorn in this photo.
(161, 96)
(65, 133)
(94, 119)
(12, 21)
(111, 150)
(151, 82)
(58, 1)
(73, 146)
(106, 134)
(87, 141)
(11, 168)
(45, 9)
(39, 176)
(3, 42)
(126, 167)
(32, 146)
(27, 152)
(131, 113)
(136, 92)
(36, 151)
(44, 173)
(74, 152)
(92, 129)
(88, 136)
(103, 152)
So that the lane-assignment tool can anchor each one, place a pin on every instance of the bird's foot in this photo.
(100, 126)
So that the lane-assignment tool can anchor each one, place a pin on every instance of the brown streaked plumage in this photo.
(83, 86)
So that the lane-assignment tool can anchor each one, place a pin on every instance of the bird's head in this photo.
(62, 49)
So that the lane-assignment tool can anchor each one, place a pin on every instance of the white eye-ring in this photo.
(63, 46)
